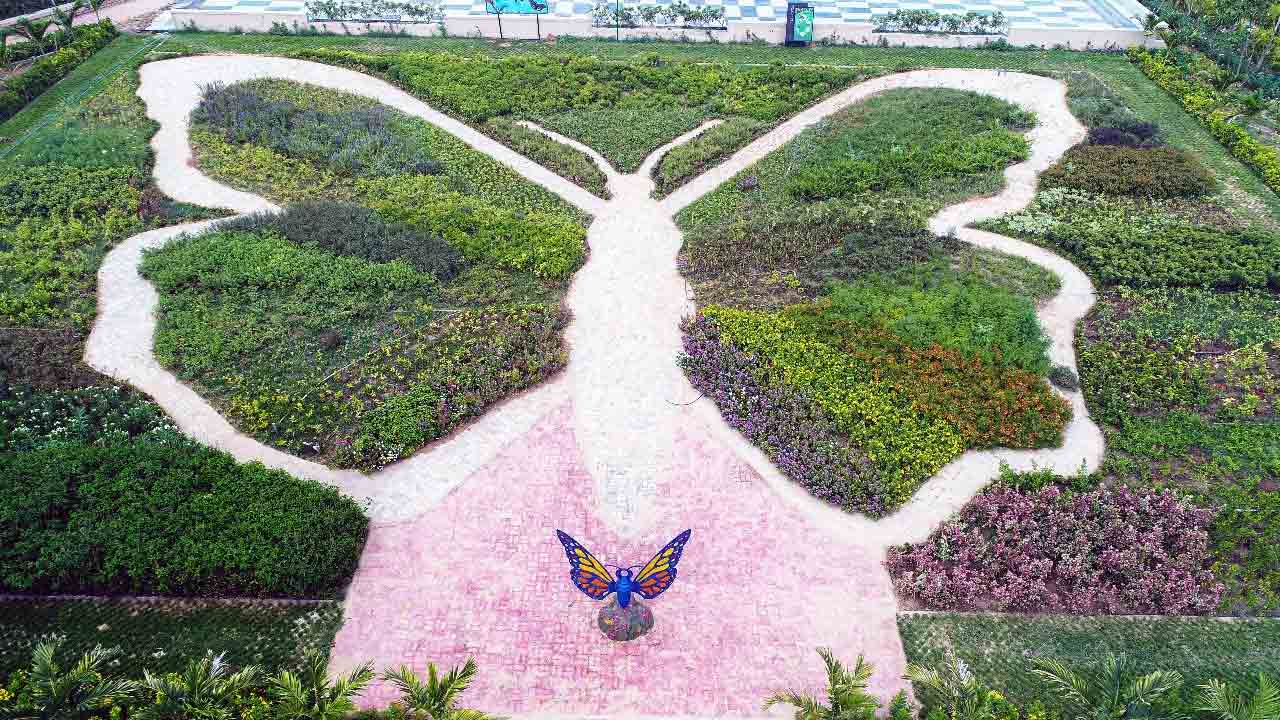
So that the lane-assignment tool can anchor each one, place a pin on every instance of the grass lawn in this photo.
(162, 635)
(999, 648)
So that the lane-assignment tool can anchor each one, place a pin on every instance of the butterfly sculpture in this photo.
(594, 579)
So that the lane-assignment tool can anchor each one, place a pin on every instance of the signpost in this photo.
(799, 24)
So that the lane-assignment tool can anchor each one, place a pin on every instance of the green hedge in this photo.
(999, 648)
(162, 635)
(1215, 110)
(22, 89)
(145, 518)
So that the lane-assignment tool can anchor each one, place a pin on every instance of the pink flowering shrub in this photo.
(1109, 551)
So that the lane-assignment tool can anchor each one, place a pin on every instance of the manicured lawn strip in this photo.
(998, 648)
(161, 635)
(62, 99)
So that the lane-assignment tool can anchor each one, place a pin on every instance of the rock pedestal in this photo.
(622, 624)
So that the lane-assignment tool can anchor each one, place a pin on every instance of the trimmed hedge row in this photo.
(46, 72)
(1212, 109)
(146, 518)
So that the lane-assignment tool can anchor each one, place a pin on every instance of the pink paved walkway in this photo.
(727, 633)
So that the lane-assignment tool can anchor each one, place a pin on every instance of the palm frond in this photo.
(1068, 685)
(807, 706)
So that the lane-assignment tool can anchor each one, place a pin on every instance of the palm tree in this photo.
(96, 5)
(953, 687)
(847, 696)
(74, 693)
(436, 698)
(308, 695)
(206, 689)
(1116, 692)
(1227, 703)
(32, 30)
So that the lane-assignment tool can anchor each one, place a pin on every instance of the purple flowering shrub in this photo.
(792, 430)
(1109, 551)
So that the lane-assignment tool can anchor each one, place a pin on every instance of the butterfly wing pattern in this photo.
(586, 572)
(660, 572)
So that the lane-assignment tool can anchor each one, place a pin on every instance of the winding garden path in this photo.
(461, 559)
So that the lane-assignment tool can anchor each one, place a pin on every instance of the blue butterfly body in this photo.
(624, 586)
(595, 580)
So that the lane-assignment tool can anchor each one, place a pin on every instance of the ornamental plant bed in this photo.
(423, 287)
(623, 109)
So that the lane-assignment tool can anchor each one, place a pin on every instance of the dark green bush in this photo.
(22, 89)
(1140, 135)
(1064, 377)
(357, 231)
(1143, 172)
(141, 518)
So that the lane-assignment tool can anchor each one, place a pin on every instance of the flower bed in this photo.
(890, 415)
(1108, 551)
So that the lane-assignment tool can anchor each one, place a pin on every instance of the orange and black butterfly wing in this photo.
(586, 572)
(658, 575)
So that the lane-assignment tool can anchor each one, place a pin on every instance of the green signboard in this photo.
(799, 24)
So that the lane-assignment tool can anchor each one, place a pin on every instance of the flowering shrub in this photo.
(1110, 551)
(88, 416)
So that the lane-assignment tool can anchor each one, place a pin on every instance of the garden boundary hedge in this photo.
(1209, 106)
(20, 90)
